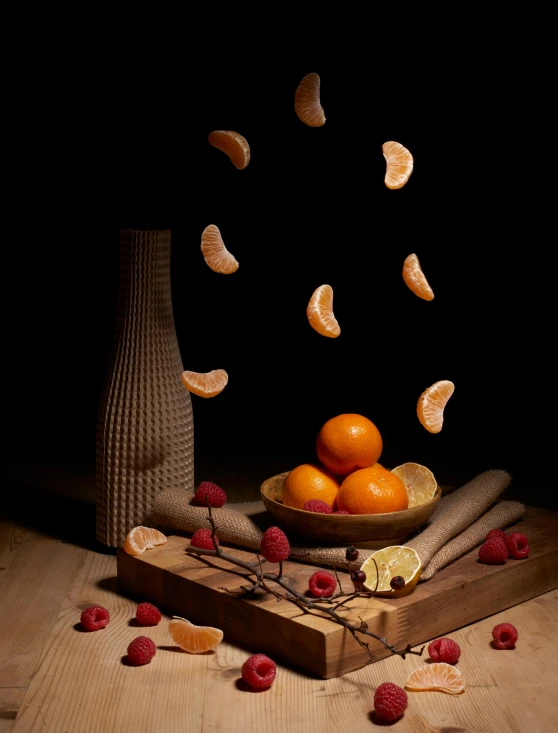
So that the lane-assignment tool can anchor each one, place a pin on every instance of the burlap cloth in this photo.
(459, 524)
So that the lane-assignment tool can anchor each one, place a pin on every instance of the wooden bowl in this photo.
(361, 530)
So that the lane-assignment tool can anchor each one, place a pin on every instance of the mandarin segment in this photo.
(395, 561)
(415, 279)
(436, 676)
(320, 312)
(194, 639)
(139, 539)
(205, 384)
(431, 405)
(307, 101)
(419, 481)
(399, 164)
(215, 254)
(233, 144)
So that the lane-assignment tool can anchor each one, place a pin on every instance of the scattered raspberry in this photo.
(259, 671)
(322, 584)
(444, 650)
(493, 552)
(496, 533)
(505, 636)
(202, 539)
(317, 505)
(141, 650)
(351, 554)
(207, 491)
(390, 701)
(147, 614)
(397, 582)
(517, 545)
(95, 617)
(275, 545)
(341, 511)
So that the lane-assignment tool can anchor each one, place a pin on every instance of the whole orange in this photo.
(348, 442)
(309, 481)
(372, 490)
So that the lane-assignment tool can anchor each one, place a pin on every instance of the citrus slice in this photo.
(431, 404)
(414, 278)
(139, 539)
(307, 101)
(419, 482)
(232, 144)
(215, 254)
(192, 638)
(205, 384)
(438, 676)
(320, 312)
(392, 561)
(399, 164)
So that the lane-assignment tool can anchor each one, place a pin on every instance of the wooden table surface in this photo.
(56, 678)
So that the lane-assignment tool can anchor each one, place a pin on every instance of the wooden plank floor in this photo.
(54, 678)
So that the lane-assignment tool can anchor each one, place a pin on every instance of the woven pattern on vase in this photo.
(145, 431)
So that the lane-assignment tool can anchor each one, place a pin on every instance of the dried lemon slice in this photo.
(419, 481)
(392, 561)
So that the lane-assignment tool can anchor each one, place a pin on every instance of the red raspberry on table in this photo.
(390, 701)
(518, 546)
(493, 552)
(317, 505)
(202, 539)
(504, 635)
(322, 584)
(259, 671)
(496, 533)
(95, 617)
(274, 545)
(147, 614)
(141, 650)
(207, 491)
(444, 650)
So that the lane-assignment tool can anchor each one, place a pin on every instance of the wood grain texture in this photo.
(202, 589)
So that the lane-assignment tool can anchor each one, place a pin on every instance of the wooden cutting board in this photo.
(193, 587)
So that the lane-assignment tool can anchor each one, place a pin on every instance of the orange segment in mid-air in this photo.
(437, 676)
(216, 255)
(414, 278)
(320, 312)
(139, 539)
(431, 404)
(399, 164)
(194, 639)
(232, 144)
(208, 384)
(307, 101)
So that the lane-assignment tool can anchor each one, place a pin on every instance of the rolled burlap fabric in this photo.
(456, 527)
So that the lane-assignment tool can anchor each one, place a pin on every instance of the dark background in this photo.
(129, 149)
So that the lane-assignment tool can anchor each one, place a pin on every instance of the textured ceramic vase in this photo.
(145, 431)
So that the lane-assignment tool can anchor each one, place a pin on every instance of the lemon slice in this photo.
(419, 482)
(392, 561)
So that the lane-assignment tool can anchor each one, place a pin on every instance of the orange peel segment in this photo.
(438, 677)
(399, 164)
(431, 404)
(205, 384)
(415, 279)
(233, 144)
(320, 312)
(140, 538)
(215, 254)
(307, 101)
(194, 639)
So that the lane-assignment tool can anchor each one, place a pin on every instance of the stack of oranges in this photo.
(347, 475)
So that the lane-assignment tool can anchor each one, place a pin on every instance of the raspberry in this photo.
(202, 539)
(322, 584)
(390, 701)
(147, 614)
(95, 617)
(351, 554)
(496, 533)
(208, 492)
(505, 636)
(517, 545)
(341, 511)
(493, 552)
(275, 545)
(141, 650)
(397, 582)
(259, 671)
(444, 650)
(317, 505)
